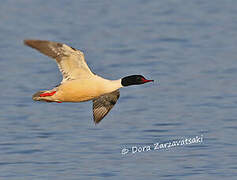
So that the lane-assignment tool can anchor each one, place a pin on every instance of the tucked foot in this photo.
(47, 94)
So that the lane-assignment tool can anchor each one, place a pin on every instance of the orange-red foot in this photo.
(59, 102)
(47, 94)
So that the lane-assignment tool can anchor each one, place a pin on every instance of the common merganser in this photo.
(79, 83)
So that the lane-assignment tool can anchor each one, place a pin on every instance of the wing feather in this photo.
(103, 104)
(71, 62)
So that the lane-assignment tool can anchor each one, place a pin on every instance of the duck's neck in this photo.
(109, 85)
(114, 84)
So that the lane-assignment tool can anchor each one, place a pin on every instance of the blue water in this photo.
(187, 47)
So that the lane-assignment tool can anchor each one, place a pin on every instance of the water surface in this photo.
(187, 47)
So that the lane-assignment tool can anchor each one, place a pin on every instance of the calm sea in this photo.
(188, 47)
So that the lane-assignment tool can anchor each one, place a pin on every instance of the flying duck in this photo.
(79, 83)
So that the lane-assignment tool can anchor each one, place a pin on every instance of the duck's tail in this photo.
(44, 96)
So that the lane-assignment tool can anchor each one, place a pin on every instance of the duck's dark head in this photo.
(134, 80)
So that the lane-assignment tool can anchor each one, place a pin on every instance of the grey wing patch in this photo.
(103, 104)
(71, 61)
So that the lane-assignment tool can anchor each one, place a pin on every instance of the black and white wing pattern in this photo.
(103, 104)
(71, 62)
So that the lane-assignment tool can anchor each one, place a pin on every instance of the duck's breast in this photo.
(82, 90)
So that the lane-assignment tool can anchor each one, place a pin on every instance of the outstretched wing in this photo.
(71, 61)
(103, 104)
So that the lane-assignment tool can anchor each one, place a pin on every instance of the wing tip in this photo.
(31, 42)
(95, 122)
(96, 119)
(27, 41)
